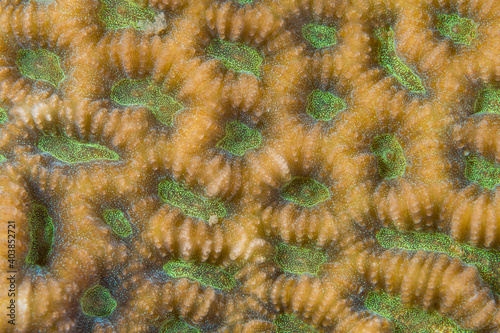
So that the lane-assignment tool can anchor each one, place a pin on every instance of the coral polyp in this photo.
(40, 65)
(206, 274)
(118, 222)
(239, 138)
(72, 151)
(459, 29)
(319, 36)
(305, 192)
(119, 14)
(289, 324)
(390, 156)
(392, 63)
(296, 260)
(479, 169)
(97, 302)
(323, 105)
(238, 57)
(41, 235)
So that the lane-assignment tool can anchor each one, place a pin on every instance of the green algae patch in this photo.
(147, 94)
(391, 62)
(409, 320)
(175, 325)
(206, 274)
(390, 158)
(460, 30)
(190, 203)
(319, 36)
(72, 151)
(239, 138)
(238, 57)
(3, 116)
(305, 192)
(120, 14)
(486, 261)
(97, 302)
(480, 170)
(286, 323)
(41, 235)
(488, 101)
(118, 222)
(298, 260)
(322, 105)
(40, 65)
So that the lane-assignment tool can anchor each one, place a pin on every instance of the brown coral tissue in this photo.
(249, 166)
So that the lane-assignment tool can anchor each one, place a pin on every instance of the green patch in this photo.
(319, 36)
(3, 116)
(390, 158)
(487, 262)
(322, 105)
(72, 151)
(41, 235)
(2, 158)
(175, 325)
(238, 57)
(488, 101)
(40, 65)
(149, 95)
(239, 138)
(118, 222)
(460, 30)
(189, 202)
(299, 260)
(206, 274)
(390, 61)
(286, 323)
(480, 170)
(120, 14)
(409, 320)
(305, 192)
(97, 302)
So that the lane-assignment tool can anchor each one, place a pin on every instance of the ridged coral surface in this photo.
(250, 166)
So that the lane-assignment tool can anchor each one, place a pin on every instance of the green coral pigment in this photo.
(390, 61)
(409, 320)
(149, 95)
(72, 151)
(242, 2)
(120, 14)
(478, 169)
(322, 105)
(3, 116)
(189, 202)
(460, 30)
(118, 222)
(174, 325)
(286, 323)
(390, 158)
(305, 192)
(238, 57)
(488, 101)
(97, 302)
(486, 261)
(298, 260)
(239, 138)
(319, 36)
(2, 158)
(206, 274)
(40, 65)
(41, 235)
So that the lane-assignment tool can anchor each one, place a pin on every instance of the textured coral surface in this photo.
(250, 166)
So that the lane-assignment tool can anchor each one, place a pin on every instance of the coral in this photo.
(241, 166)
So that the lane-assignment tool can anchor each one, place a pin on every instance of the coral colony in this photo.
(250, 166)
